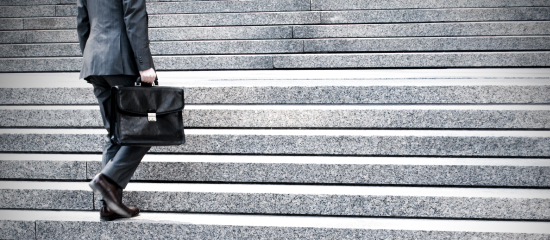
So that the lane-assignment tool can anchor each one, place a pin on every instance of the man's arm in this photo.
(135, 18)
(83, 24)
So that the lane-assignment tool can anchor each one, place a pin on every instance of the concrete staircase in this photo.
(282, 142)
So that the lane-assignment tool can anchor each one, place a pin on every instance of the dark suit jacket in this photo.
(113, 37)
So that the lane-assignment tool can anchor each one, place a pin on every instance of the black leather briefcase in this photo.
(146, 115)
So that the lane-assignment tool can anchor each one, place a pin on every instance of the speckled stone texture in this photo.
(306, 95)
(46, 199)
(436, 15)
(424, 30)
(51, 36)
(382, 4)
(50, 23)
(227, 6)
(12, 37)
(41, 96)
(40, 50)
(10, 24)
(426, 44)
(17, 229)
(454, 175)
(303, 118)
(213, 62)
(220, 33)
(66, 10)
(235, 19)
(413, 60)
(28, 2)
(226, 47)
(41, 64)
(70, 170)
(27, 11)
(299, 145)
(340, 205)
(161, 230)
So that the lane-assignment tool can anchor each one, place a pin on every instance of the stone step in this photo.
(424, 29)
(433, 143)
(46, 21)
(28, 224)
(305, 116)
(395, 86)
(519, 28)
(326, 5)
(426, 202)
(72, 2)
(158, 34)
(166, 7)
(499, 172)
(303, 61)
(299, 46)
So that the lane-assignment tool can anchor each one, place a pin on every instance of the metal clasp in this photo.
(152, 117)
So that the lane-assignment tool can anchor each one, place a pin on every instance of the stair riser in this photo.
(306, 95)
(46, 199)
(382, 4)
(299, 144)
(220, 118)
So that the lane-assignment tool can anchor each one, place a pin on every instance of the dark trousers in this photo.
(119, 162)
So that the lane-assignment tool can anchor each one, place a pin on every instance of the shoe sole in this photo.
(118, 210)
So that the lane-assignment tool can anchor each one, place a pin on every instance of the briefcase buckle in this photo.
(152, 117)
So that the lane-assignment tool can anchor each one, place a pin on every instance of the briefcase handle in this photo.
(156, 83)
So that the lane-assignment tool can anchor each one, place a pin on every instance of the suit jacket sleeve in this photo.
(136, 20)
(83, 24)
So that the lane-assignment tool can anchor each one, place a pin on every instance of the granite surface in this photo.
(40, 50)
(340, 205)
(27, 2)
(168, 7)
(304, 118)
(50, 23)
(12, 36)
(397, 4)
(220, 33)
(41, 64)
(46, 199)
(234, 19)
(306, 95)
(364, 145)
(51, 36)
(66, 10)
(72, 170)
(426, 44)
(437, 15)
(155, 230)
(385, 174)
(47, 96)
(10, 24)
(225, 47)
(27, 11)
(213, 62)
(10, 229)
(413, 60)
(518, 28)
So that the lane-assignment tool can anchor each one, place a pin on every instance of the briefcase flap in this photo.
(143, 100)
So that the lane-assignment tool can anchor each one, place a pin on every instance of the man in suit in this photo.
(114, 41)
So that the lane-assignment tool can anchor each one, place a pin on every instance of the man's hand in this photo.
(148, 75)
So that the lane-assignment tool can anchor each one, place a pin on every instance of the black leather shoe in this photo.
(110, 194)
(105, 213)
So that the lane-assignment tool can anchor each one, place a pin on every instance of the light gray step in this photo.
(302, 61)
(325, 5)
(299, 46)
(395, 86)
(165, 7)
(424, 29)
(300, 142)
(290, 169)
(19, 224)
(427, 202)
(408, 60)
(157, 34)
(72, 2)
(289, 18)
(181, 20)
(305, 116)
